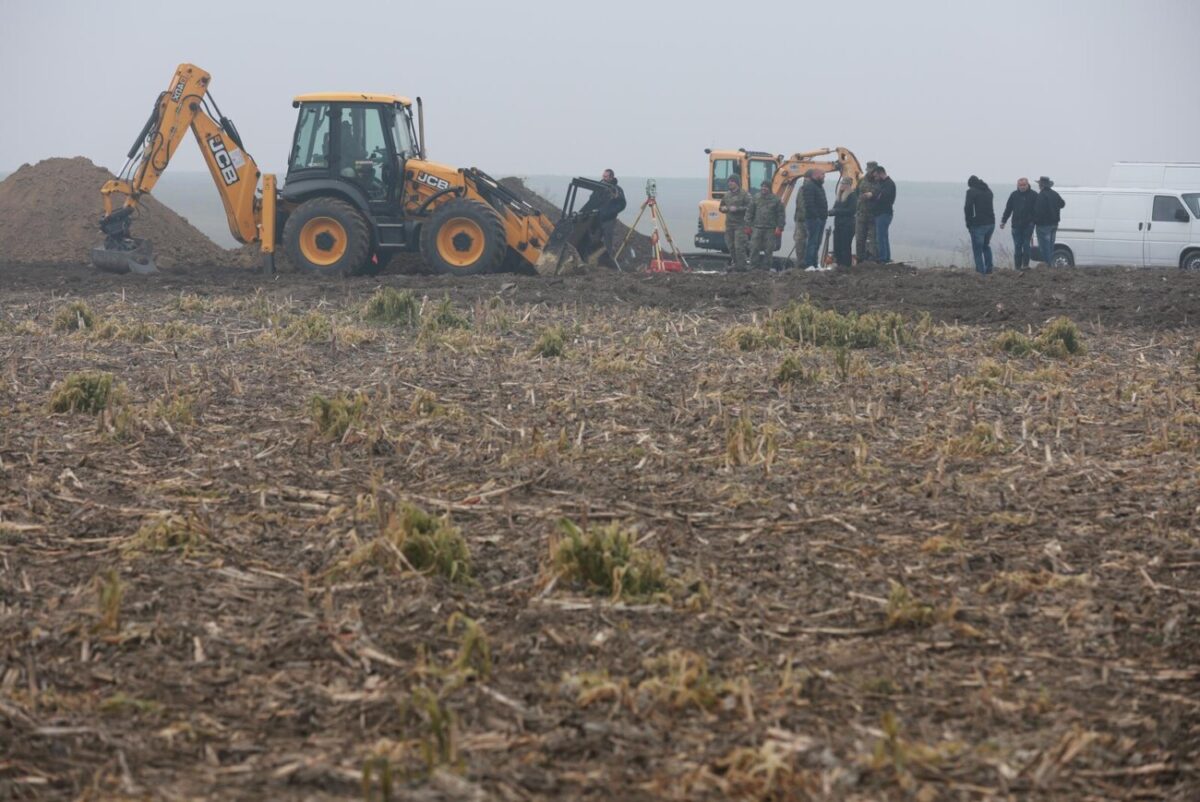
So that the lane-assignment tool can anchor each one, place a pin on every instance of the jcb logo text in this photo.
(225, 164)
(433, 181)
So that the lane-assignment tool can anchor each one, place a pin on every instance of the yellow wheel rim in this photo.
(460, 242)
(323, 241)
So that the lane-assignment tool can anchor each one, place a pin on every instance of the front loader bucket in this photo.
(561, 261)
(574, 246)
(138, 258)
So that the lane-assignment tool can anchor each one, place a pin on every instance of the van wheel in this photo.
(1063, 257)
(1191, 261)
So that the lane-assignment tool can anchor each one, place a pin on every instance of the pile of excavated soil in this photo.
(49, 213)
(639, 243)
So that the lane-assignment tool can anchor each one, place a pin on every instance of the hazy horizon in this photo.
(935, 91)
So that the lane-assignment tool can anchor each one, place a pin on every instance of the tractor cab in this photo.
(360, 141)
(750, 167)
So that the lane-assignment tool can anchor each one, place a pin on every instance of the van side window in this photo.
(1165, 207)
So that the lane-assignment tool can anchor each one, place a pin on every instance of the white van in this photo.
(1131, 227)
(1155, 175)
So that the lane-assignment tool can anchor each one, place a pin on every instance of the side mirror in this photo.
(1182, 216)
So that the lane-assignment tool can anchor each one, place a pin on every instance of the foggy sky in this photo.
(933, 90)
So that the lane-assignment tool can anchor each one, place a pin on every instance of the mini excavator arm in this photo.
(187, 105)
(793, 168)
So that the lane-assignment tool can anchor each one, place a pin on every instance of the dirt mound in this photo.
(639, 244)
(49, 212)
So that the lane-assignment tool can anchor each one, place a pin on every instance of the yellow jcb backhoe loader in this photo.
(358, 189)
(752, 167)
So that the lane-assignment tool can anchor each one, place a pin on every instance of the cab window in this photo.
(362, 152)
(722, 169)
(1167, 208)
(402, 133)
(1192, 199)
(311, 149)
(760, 171)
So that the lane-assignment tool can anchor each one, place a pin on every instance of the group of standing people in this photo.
(1032, 213)
(862, 216)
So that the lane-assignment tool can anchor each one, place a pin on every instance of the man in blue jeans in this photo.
(1020, 208)
(980, 213)
(1046, 217)
(880, 203)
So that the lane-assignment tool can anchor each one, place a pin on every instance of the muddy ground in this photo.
(926, 569)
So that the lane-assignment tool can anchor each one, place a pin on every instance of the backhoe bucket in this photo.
(138, 258)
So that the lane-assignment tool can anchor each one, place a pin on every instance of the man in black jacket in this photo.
(880, 204)
(816, 208)
(1046, 216)
(1020, 208)
(607, 206)
(980, 213)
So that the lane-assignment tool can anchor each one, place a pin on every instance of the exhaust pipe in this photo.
(421, 127)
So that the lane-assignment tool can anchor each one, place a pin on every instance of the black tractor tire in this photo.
(464, 238)
(327, 236)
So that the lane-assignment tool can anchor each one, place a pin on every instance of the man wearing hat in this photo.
(1045, 218)
(864, 224)
(800, 230)
(734, 205)
(764, 223)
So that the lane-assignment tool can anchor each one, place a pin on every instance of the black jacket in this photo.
(980, 207)
(816, 205)
(884, 198)
(1020, 207)
(606, 207)
(845, 208)
(1045, 210)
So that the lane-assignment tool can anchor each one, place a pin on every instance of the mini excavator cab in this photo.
(751, 168)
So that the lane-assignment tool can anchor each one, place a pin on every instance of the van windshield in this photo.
(1192, 199)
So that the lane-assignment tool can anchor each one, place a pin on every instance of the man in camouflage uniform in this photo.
(764, 223)
(734, 205)
(800, 233)
(864, 222)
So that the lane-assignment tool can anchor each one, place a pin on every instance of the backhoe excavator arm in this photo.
(188, 105)
(792, 169)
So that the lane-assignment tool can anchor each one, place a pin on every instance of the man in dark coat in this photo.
(816, 210)
(980, 213)
(881, 205)
(1046, 216)
(1020, 208)
(843, 214)
(607, 206)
